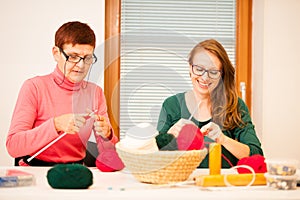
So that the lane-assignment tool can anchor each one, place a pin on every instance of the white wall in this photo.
(27, 37)
(276, 71)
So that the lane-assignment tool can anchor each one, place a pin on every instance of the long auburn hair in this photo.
(224, 98)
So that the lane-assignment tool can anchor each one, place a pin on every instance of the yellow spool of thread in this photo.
(215, 159)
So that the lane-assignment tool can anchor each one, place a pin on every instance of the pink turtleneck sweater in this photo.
(40, 100)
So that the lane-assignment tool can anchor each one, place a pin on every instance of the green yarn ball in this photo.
(69, 176)
(166, 142)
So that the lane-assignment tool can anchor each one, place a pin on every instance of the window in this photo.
(156, 37)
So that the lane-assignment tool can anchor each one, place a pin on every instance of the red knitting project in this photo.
(257, 162)
(190, 138)
(109, 161)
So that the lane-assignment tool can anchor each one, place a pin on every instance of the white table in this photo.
(122, 185)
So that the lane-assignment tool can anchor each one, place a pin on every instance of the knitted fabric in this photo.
(109, 161)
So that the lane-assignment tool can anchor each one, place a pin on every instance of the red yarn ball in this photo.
(257, 162)
(109, 161)
(190, 138)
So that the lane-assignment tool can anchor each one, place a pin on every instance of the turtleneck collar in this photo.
(63, 82)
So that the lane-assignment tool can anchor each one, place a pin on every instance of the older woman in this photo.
(59, 103)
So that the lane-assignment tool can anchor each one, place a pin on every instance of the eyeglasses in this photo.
(200, 71)
(88, 60)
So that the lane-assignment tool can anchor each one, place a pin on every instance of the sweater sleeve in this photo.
(247, 134)
(23, 137)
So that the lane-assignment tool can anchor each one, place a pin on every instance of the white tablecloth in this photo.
(122, 185)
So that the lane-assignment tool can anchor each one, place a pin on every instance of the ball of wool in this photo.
(190, 138)
(166, 141)
(69, 176)
(257, 162)
(109, 161)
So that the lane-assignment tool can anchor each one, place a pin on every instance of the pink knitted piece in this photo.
(190, 138)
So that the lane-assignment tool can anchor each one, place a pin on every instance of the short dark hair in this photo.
(75, 33)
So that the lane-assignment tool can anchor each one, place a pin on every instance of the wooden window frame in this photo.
(244, 48)
(112, 55)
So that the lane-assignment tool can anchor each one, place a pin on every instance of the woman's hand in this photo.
(237, 148)
(176, 128)
(69, 123)
(213, 131)
(101, 126)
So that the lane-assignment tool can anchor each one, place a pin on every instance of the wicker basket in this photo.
(161, 167)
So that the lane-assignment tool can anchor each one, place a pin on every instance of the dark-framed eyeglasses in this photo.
(200, 71)
(88, 60)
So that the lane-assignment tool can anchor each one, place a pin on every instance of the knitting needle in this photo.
(195, 109)
(45, 147)
(53, 141)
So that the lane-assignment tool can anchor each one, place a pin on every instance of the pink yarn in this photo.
(190, 138)
(109, 161)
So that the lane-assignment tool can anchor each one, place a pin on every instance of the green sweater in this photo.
(175, 108)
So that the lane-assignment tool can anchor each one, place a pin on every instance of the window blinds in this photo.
(156, 38)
